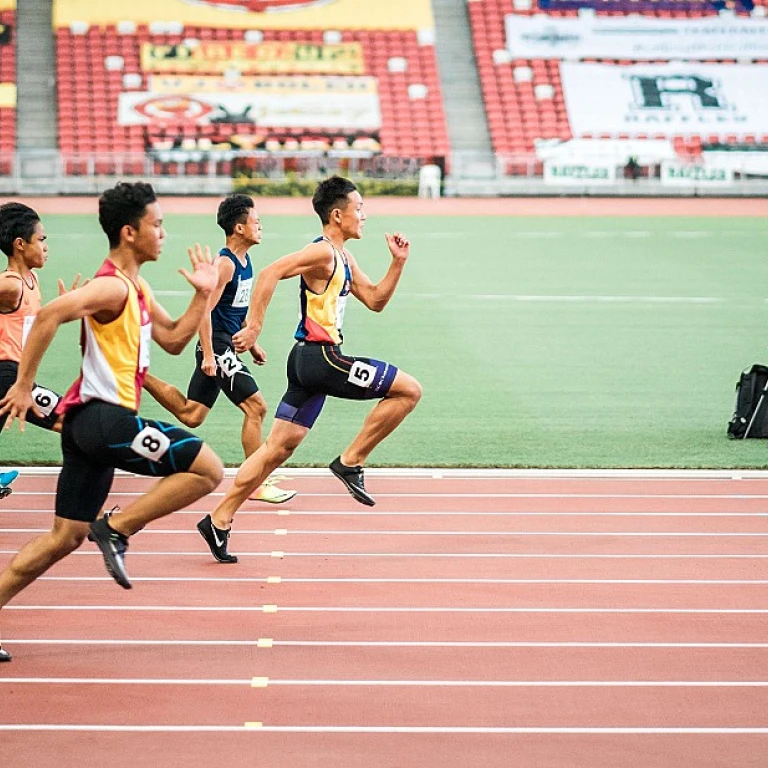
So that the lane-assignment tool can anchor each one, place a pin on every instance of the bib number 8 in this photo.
(150, 443)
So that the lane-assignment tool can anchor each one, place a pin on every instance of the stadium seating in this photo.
(524, 97)
(7, 114)
(95, 64)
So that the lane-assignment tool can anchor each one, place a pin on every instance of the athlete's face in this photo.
(148, 237)
(36, 250)
(250, 229)
(352, 216)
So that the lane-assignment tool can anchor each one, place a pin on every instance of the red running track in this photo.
(467, 620)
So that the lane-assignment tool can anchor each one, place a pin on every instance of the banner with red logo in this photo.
(332, 103)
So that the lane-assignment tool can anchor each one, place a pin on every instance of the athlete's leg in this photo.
(36, 557)
(189, 412)
(389, 412)
(171, 493)
(283, 439)
(254, 410)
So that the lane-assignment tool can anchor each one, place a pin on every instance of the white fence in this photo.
(467, 174)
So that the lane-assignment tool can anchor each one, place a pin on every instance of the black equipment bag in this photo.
(750, 417)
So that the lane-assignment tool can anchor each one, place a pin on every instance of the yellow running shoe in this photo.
(271, 494)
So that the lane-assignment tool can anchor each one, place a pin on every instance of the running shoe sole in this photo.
(113, 562)
(359, 494)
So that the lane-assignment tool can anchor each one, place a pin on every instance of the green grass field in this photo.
(570, 342)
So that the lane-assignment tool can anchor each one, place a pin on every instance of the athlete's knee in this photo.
(209, 468)
(410, 390)
(66, 538)
(254, 408)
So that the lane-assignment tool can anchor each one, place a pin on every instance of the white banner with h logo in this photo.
(666, 99)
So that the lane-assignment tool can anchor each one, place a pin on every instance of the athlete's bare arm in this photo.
(103, 299)
(377, 296)
(226, 269)
(174, 335)
(314, 262)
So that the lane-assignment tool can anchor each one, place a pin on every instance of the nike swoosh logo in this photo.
(219, 543)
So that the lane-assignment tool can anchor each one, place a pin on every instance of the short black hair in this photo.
(331, 193)
(233, 210)
(125, 203)
(16, 220)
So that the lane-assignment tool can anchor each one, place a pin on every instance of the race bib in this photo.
(243, 293)
(150, 443)
(341, 307)
(362, 374)
(145, 343)
(28, 320)
(45, 400)
(229, 363)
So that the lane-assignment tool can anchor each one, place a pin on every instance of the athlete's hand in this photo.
(205, 275)
(258, 354)
(399, 245)
(244, 340)
(63, 288)
(208, 366)
(17, 401)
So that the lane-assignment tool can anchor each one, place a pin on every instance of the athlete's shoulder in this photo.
(11, 287)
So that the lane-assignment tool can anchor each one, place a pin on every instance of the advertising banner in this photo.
(254, 58)
(253, 14)
(8, 95)
(331, 103)
(665, 99)
(636, 37)
(675, 174)
(559, 173)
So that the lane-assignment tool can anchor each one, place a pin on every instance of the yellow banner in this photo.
(253, 14)
(8, 95)
(254, 58)
(7, 5)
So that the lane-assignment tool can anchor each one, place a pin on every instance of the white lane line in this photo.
(587, 299)
(299, 532)
(421, 513)
(257, 728)
(492, 473)
(479, 495)
(403, 580)
(392, 644)
(388, 683)
(381, 609)
(441, 555)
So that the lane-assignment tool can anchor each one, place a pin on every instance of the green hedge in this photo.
(295, 187)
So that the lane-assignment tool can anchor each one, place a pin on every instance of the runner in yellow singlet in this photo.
(102, 430)
(316, 366)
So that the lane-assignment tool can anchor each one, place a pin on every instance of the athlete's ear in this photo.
(128, 233)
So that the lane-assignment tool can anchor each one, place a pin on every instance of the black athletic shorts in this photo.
(45, 399)
(232, 376)
(98, 438)
(317, 370)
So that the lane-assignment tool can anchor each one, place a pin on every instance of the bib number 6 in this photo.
(45, 400)
(150, 443)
